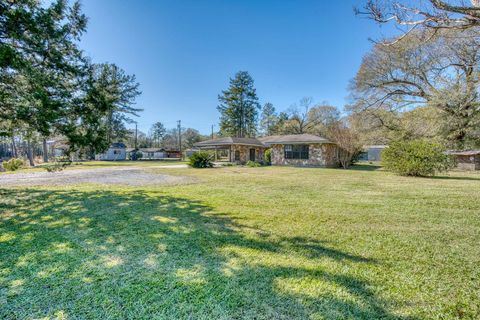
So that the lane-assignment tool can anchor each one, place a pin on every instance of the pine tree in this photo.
(268, 120)
(239, 107)
(157, 132)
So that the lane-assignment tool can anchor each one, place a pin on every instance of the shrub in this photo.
(253, 164)
(57, 166)
(201, 159)
(13, 164)
(416, 158)
(268, 156)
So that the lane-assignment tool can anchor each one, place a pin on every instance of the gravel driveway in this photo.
(130, 176)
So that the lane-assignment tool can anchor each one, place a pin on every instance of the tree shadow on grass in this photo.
(133, 254)
(365, 167)
(455, 178)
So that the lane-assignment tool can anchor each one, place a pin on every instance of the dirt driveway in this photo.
(129, 176)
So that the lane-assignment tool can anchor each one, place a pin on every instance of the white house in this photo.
(116, 152)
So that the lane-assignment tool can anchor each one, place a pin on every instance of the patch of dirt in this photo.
(107, 176)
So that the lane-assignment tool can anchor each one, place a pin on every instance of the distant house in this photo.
(373, 153)
(294, 150)
(116, 152)
(158, 154)
(467, 160)
(190, 152)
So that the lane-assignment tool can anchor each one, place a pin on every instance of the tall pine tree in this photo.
(239, 107)
(268, 120)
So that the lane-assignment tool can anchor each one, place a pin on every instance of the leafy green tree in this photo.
(39, 62)
(157, 132)
(239, 107)
(48, 86)
(190, 137)
(100, 113)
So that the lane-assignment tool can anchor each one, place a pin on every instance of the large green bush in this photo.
(268, 156)
(415, 158)
(253, 164)
(12, 164)
(201, 159)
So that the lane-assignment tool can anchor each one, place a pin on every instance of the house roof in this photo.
(464, 153)
(118, 145)
(151, 149)
(293, 139)
(229, 141)
(264, 141)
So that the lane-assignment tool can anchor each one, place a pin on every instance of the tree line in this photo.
(420, 84)
(161, 137)
(241, 114)
(49, 87)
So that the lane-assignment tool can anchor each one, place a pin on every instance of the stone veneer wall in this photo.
(320, 155)
(468, 162)
(245, 153)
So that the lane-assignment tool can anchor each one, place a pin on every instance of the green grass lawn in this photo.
(100, 164)
(245, 243)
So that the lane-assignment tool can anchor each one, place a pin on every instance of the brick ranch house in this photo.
(295, 150)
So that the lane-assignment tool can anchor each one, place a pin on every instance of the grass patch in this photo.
(100, 164)
(245, 243)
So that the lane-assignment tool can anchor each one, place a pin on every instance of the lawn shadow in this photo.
(365, 167)
(124, 254)
(455, 178)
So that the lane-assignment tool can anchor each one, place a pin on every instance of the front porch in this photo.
(236, 150)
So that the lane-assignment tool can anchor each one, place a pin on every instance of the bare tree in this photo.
(424, 14)
(347, 142)
(442, 72)
(300, 120)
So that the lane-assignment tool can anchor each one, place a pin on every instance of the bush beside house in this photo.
(201, 159)
(416, 158)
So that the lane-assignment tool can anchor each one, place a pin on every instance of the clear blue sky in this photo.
(183, 52)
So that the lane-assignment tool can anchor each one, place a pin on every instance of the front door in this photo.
(252, 154)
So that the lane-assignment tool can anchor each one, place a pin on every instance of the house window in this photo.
(296, 151)
(117, 152)
(237, 155)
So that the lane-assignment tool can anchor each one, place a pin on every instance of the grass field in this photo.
(99, 164)
(245, 243)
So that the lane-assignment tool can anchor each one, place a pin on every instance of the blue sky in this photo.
(183, 52)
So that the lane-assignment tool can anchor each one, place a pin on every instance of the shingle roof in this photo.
(293, 139)
(229, 141)
(151, 149)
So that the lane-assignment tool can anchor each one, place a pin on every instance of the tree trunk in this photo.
(14, 148)
(45, 151)
(30, 154)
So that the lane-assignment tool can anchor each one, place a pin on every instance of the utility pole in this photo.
(212, 130)
(179, 125)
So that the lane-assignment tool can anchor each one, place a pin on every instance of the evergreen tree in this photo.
(268, 120)
(239, 107)
(157, 132)
(100, 113)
